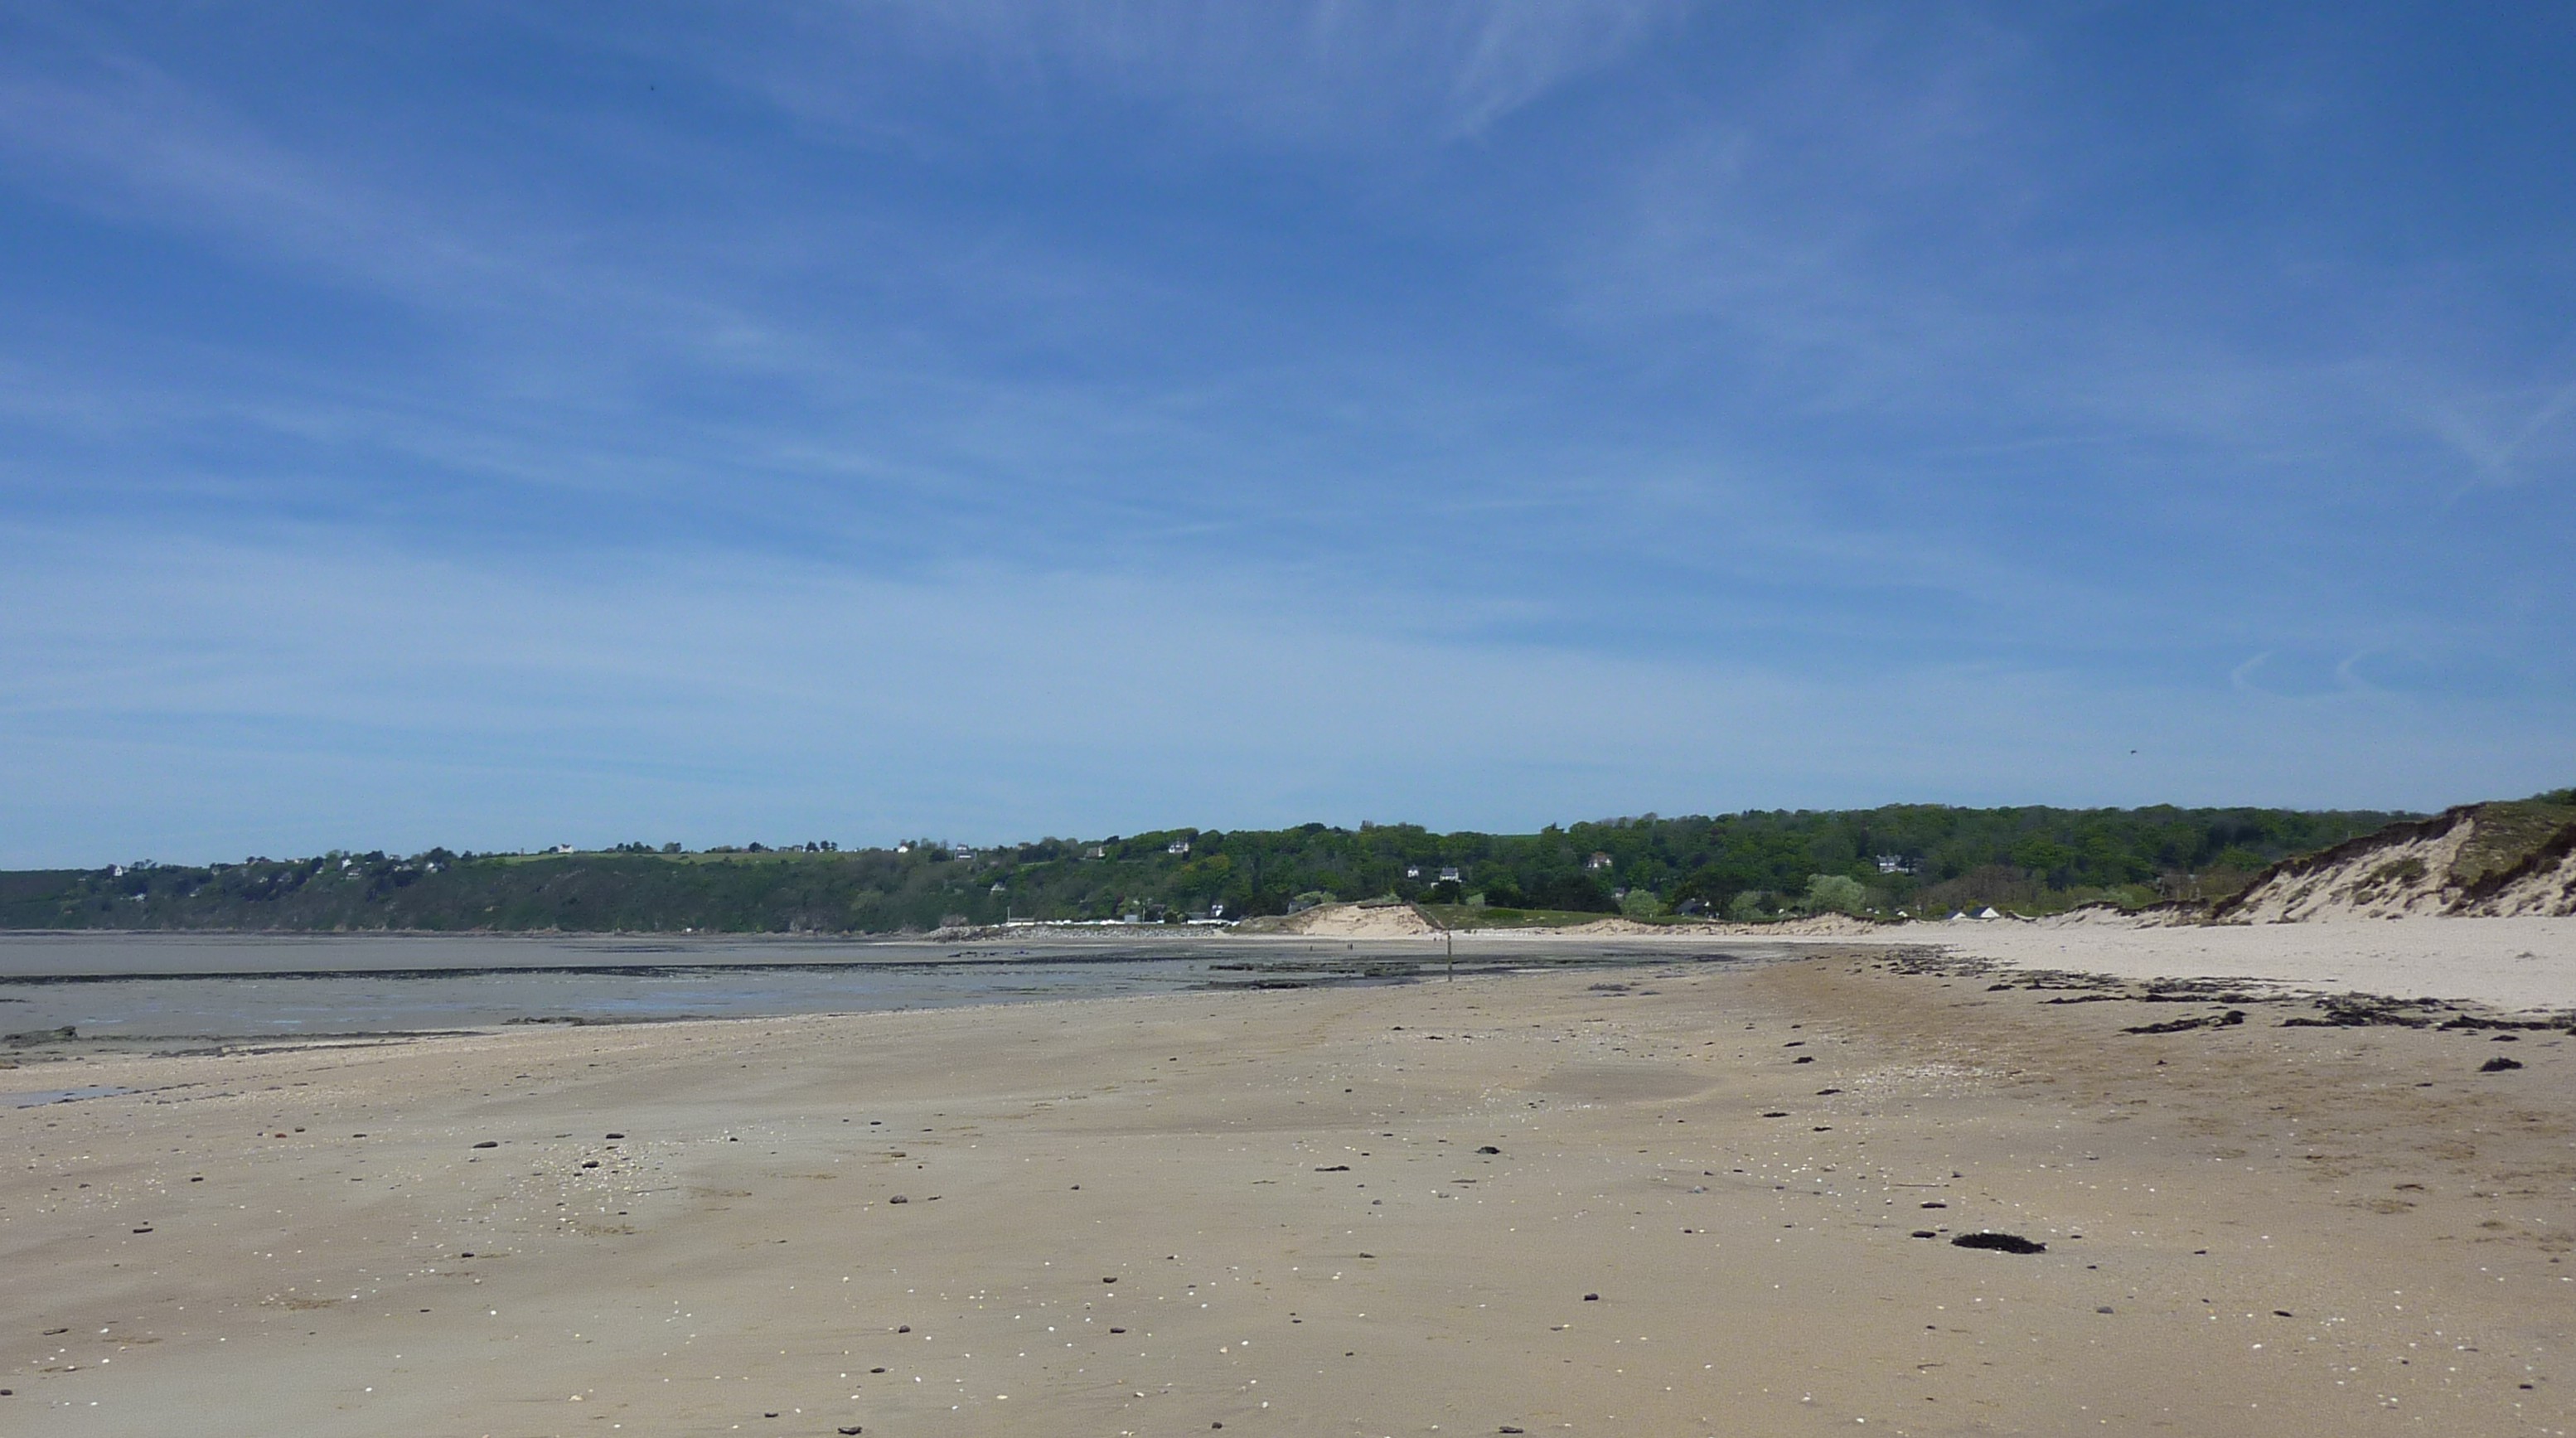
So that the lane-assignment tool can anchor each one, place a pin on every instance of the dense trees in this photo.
(1751, 865)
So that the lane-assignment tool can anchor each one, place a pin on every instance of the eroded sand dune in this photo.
(2514, 860)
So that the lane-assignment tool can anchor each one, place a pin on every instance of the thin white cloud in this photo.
(1328, 71)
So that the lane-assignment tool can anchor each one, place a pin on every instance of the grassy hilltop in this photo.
(1750, 866)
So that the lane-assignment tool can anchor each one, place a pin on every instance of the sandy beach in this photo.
(2519, 964)
(1662, 1201)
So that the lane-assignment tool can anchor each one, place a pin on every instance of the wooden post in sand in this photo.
(1452, 936)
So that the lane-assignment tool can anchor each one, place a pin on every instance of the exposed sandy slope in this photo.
(2485, 860)
(2548, 888)
(2250, 1229)
(2408, 875)
(1351, 921)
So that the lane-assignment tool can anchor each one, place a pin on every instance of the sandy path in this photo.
(2252, 1229)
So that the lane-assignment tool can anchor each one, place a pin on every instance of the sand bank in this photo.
(1658, 1203)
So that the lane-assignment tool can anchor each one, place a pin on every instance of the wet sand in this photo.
(1273, 1212)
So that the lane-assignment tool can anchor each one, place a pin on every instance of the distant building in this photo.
(557, 849)
(1597, 861)
(1413, 871)
(1895, 864)
(1177, 846)
(1450, 876)
(1096, 851)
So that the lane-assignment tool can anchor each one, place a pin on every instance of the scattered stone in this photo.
(1925, 1233)
(1489, 1148)
(616, 1136)
(487, 1143)
(2228, 1020)
(898, 1198)
(1335, 1168)
(853, 1428)
(2498, 1065)
(1592, 1298)
(1827, 1092)
(1777, 1113)
(1935, 1203)
(1998, 1242)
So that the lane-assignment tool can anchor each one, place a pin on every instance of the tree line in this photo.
(1752, 866)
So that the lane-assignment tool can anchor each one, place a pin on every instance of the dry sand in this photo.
(1275, 1212)
(2515, 964)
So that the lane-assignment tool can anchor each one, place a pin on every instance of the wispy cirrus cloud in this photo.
(1643, 399)
(1320, 71)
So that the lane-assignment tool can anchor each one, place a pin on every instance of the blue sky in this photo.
(501, 425)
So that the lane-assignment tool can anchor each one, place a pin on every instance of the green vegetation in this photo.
(2505, 832)
(1751, 866)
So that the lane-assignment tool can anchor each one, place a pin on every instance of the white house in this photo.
(1597, 862)
(1177, 846)
(1450, 876)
